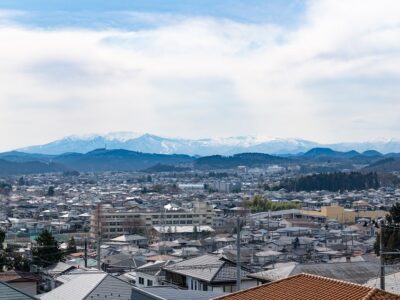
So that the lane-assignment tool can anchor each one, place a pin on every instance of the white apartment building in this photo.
(112, 222)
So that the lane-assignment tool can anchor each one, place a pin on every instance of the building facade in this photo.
(112, 222)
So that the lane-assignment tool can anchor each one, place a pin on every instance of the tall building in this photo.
(112, 222)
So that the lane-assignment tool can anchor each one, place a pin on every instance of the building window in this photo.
(149, 282)
(141, 280)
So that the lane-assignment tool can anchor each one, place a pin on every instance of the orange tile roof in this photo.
(310, 287)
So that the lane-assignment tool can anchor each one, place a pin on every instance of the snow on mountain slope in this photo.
(226, 146)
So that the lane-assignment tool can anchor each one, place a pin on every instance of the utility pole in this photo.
(238, 268)
(86, 252)
(382, 253)
(98, 236)
(381, 260)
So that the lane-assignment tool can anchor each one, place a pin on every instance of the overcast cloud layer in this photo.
(330, 73)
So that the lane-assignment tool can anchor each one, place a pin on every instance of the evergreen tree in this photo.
(391, 234)
(21, 181)
(4, 261)
(332, 182)
(5, 188)
(195, 232)
(395, 213)
(71, 246)
(46, 251)
(2, 238)
(20, 263)
(50, 191)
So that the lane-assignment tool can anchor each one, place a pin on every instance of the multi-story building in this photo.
(226, 186)
(112, 222)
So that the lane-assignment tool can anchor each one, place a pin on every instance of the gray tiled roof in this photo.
(169, 293)
(358, 272)
(8, 292)
(111, 288)
(204, 267)
(91, 286)
(209, 267)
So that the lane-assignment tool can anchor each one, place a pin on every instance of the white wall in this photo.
(145, 277)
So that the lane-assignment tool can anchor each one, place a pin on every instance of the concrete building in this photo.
(114, 222)
(341, 214)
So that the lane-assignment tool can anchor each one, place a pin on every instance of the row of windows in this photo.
(114, 230)
(156, 216)
(176, 222)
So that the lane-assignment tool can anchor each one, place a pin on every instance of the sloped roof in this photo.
(208, 267)
(59, 267)
(93, 286)
(152, 268)
(13, 276)
(128, 238)
(8, 292)
(204, 267)
(357, 272)
(391, 283)
(310, 287)
(169, 293)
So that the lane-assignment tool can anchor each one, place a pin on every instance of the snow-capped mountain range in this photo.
(149, 143)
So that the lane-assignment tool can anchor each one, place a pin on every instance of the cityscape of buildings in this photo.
(163, 234)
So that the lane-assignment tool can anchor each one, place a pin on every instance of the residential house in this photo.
(356, 272)
(310, 287)
(132, 239)
(206, 273)
(91, 286)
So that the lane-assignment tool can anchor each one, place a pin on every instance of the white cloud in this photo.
(196, 77)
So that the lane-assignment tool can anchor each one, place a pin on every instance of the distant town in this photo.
(210, 226)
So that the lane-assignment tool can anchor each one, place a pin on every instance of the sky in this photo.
(327, 71)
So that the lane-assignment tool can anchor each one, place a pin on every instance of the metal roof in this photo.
(209, 267)
(91, 286)
(357, 272)
(169, 293)
(8, 292)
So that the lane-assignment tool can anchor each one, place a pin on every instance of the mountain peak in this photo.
(149, 143)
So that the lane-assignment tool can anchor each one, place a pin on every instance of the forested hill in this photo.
(332, 182)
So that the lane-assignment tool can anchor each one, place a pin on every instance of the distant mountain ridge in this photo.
(102, 159)
(148, 143)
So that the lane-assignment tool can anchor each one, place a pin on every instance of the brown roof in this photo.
(310, 287)
(160, 258)
(17, 276)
